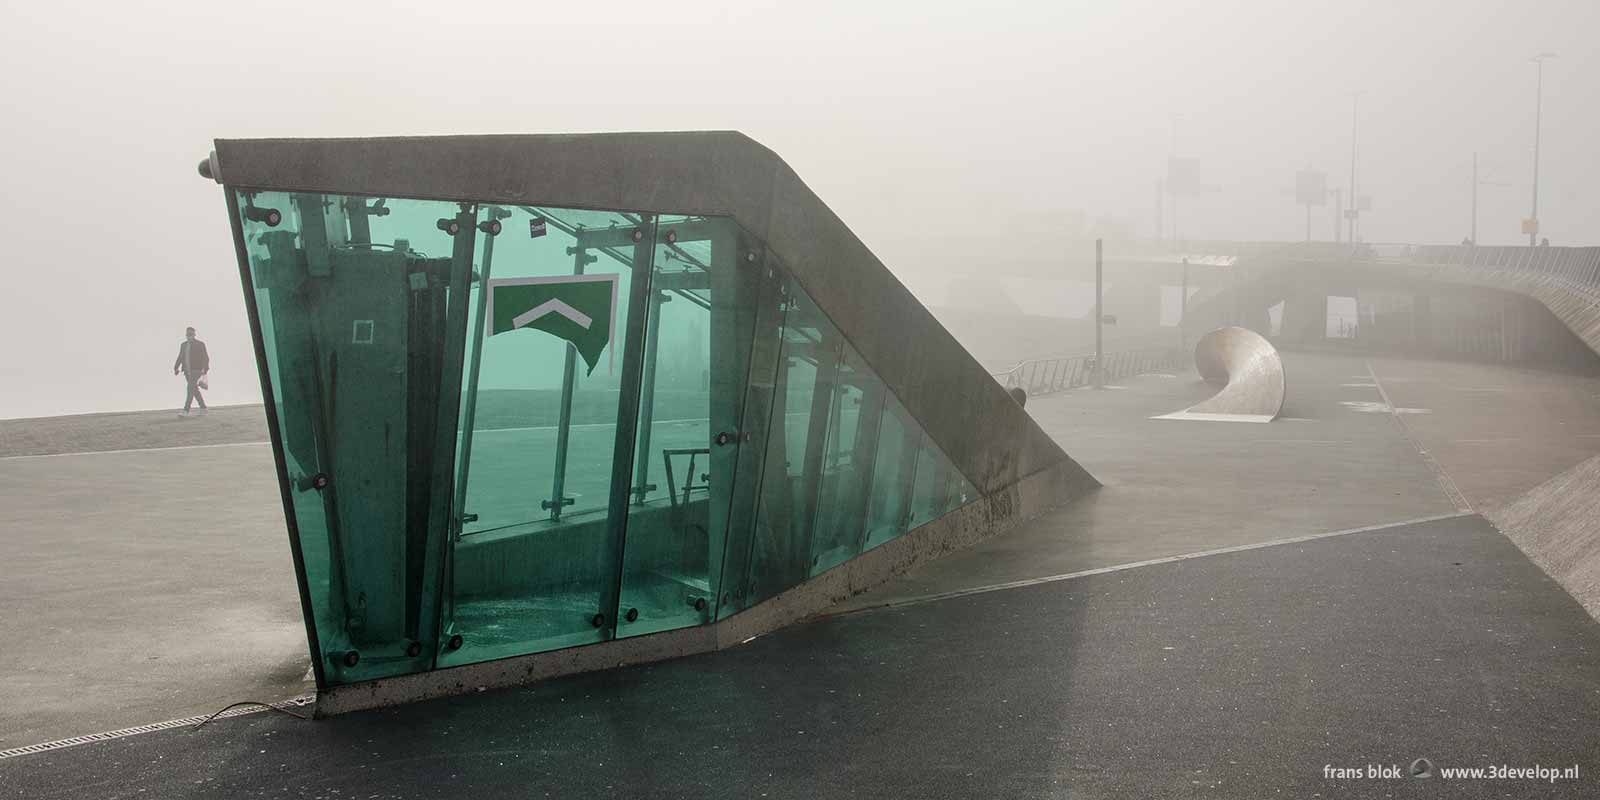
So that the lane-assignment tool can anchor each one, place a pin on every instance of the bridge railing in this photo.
(1046, 375)
(1575, 269)
(1576, 264)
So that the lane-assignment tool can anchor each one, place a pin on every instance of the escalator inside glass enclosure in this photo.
(506, 429)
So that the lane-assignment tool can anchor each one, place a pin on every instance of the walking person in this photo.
(194, 363)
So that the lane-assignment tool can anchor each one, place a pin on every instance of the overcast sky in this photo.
(941, 132)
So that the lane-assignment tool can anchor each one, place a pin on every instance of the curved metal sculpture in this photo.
(1251, 374)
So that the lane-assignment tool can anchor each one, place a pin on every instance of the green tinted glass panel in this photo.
(938, 488)
(806, 384)
(534, 565)
(767, 312)
(696, 355)
(361, 306)
(894, 468)
(838, 533)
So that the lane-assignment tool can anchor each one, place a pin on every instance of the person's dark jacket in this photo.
(199, 360)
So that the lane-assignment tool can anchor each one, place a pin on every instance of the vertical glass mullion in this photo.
(914, 477)
(469, 413)
(639, 289)
(443, 509)
(737, 288)
(825, 407)
(738, 556)
(868, 439)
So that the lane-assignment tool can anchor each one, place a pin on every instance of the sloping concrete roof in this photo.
(988, 437)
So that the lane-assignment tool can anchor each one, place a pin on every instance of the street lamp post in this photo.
(1338, 211)
(1099, 318)
(1351, 212)
(1170, 187)
(1183, 308)
(1538, 109)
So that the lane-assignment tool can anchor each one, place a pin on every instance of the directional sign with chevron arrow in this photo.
(577, 308)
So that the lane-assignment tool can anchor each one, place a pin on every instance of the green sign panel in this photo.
(578, 308)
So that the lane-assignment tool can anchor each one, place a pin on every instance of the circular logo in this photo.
(1422, 768)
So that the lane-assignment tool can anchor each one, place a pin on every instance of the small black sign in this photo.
(536, 227)
(1109, 319)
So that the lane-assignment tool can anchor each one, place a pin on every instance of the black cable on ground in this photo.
(269, 706)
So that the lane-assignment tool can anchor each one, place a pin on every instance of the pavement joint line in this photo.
(74, 741)
(998, 587)
(134, 450)
(1303, 441)
(1451, 491)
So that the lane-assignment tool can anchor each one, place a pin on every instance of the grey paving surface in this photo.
(81, 433)
(151, 585)
(1497, 431)
(1241, 675)
(1174, 487)
(141, 586)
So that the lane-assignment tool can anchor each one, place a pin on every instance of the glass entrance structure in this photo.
(505, 428)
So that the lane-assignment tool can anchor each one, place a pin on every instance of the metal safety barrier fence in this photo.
(1047, 375)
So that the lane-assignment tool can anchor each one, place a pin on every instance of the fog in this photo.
(948, 136)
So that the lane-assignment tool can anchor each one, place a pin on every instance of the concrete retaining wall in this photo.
(1558, 525)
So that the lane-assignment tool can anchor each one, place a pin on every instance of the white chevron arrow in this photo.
(552, 306)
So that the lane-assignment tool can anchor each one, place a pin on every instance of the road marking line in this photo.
(74, 741)
(1369, 407)
(1304, 441)
(929, 598)
(1445, 483)
(135, 450)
